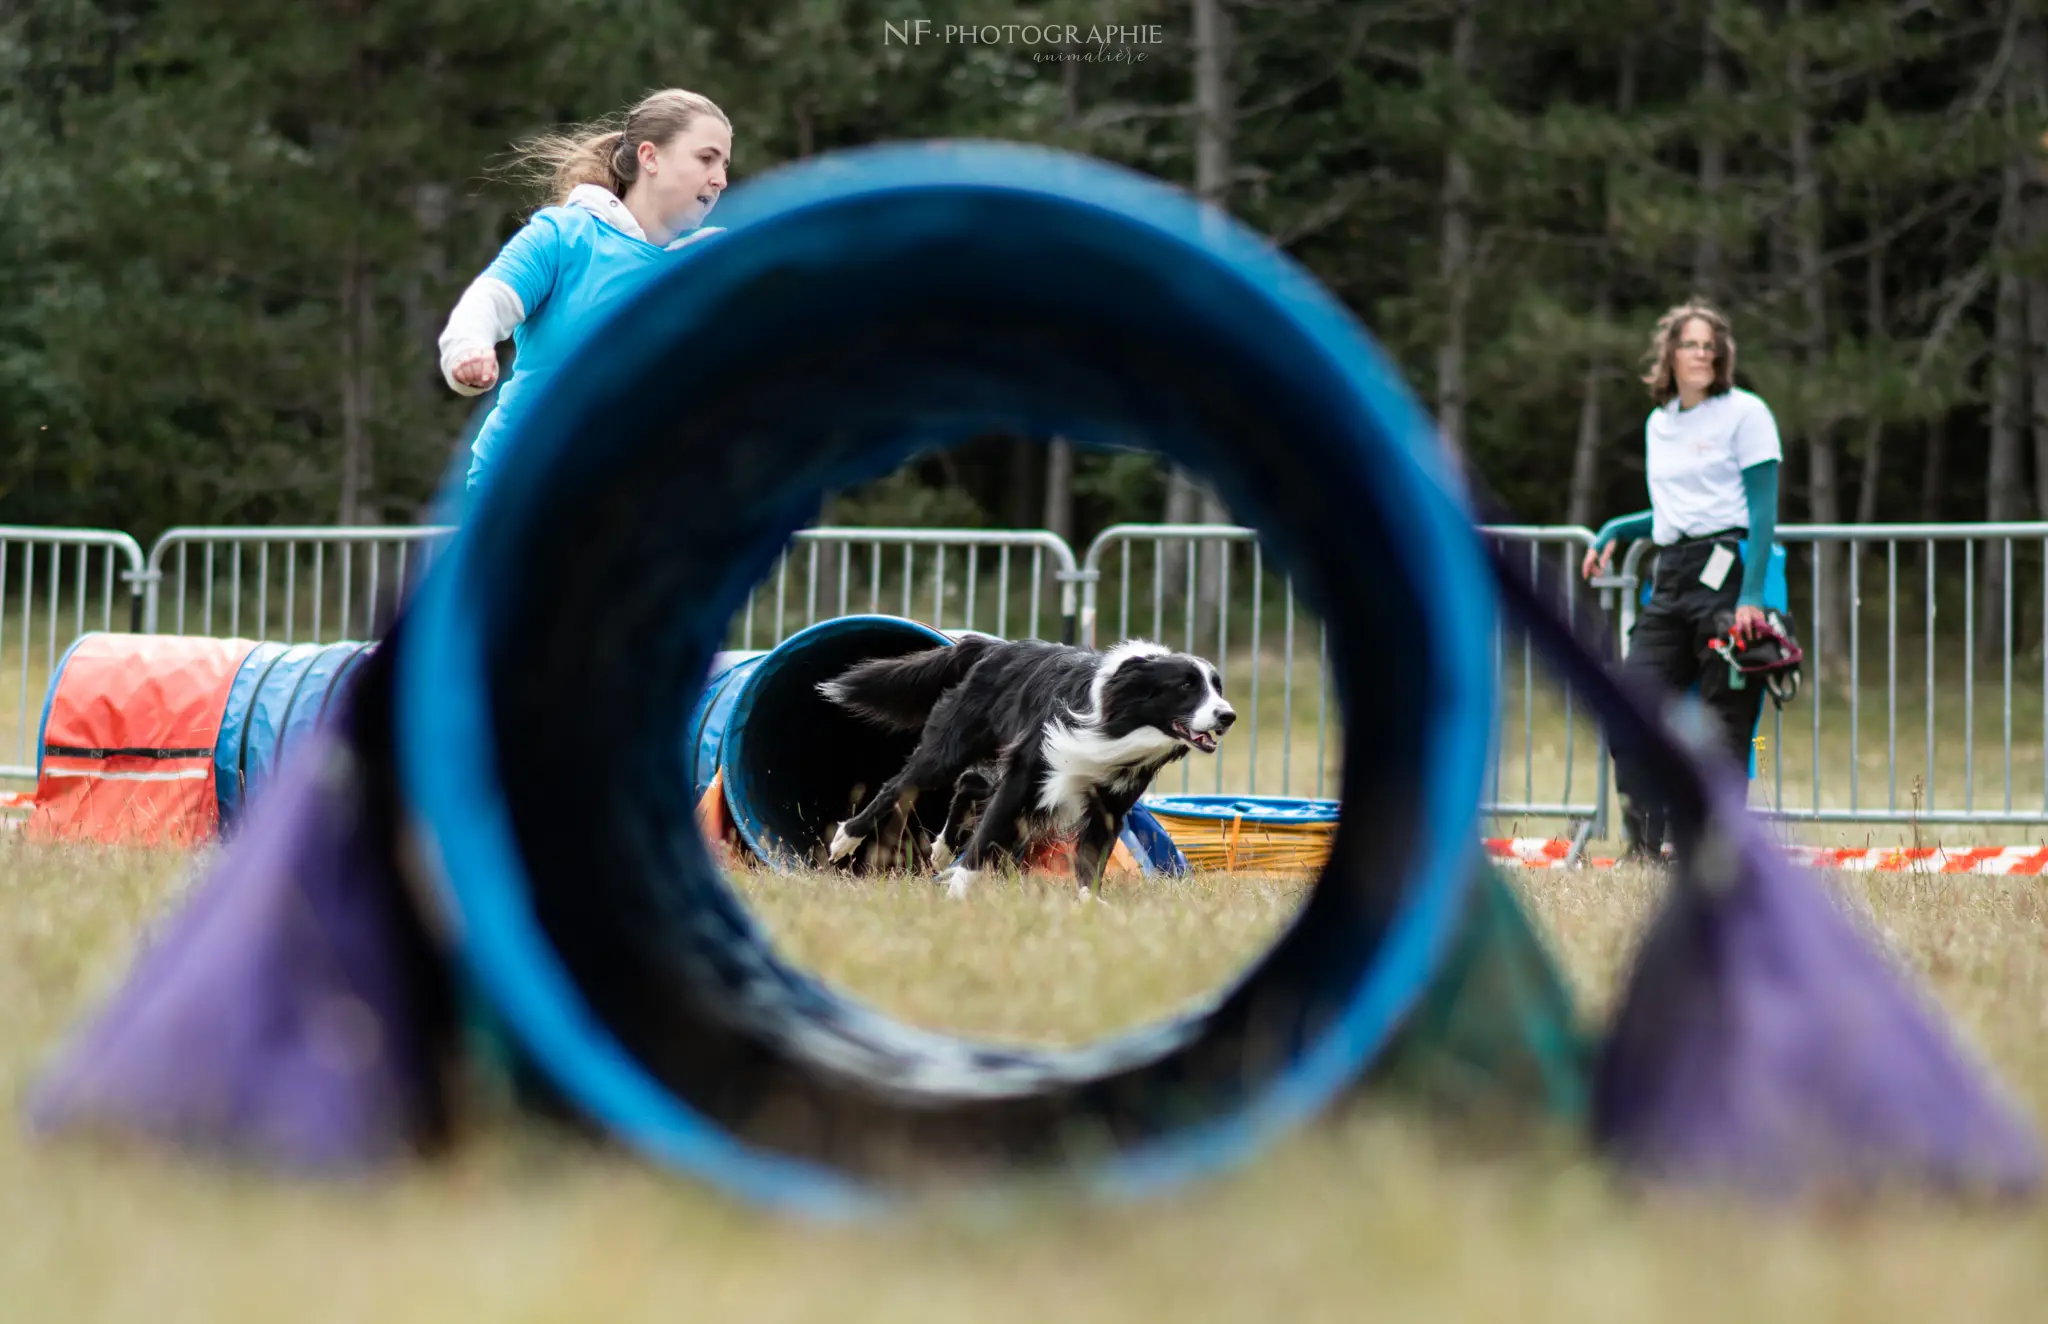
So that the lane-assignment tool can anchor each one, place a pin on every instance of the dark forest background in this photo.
(229, 233)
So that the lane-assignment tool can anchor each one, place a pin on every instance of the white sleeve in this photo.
(488, 311)
(1756, 436)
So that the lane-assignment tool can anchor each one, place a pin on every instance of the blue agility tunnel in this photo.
(860, 309)
(281, 692)
(274, 695)
(792, 760)
(795, 763)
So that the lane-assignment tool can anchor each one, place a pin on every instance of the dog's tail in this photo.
(898, 692)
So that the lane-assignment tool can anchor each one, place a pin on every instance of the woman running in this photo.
(621, 203)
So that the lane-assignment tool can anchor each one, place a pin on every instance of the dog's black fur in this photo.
(1061, 738)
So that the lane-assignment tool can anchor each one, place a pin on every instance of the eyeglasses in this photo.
(1695, 346)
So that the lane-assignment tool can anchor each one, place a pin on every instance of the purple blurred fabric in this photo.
(1768, 1043)
(1765, 1043)
(280, 1014)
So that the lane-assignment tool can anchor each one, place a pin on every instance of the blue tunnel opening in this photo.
(859, 310)
(795, 764)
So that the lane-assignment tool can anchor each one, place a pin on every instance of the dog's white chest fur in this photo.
(1078, 761)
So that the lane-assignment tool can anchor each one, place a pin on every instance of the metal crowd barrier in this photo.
(293, 585)
(55, 584)
(1181, 585)
(1866, 600)
(317, 584)
(1209, 568)
(1561, 747)
(993, 580)
(1900, 723)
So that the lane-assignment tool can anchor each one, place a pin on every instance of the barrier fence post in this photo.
(55, 585)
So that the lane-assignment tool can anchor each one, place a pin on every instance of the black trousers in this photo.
(1669, 645)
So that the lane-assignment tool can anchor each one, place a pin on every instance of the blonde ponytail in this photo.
(608, 154)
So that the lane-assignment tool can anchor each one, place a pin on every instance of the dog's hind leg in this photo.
(973, 788)
(930, 766)
(998, 833)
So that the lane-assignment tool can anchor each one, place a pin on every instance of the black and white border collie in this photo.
(1066, 739)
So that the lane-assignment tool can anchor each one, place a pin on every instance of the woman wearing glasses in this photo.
(1712, 456)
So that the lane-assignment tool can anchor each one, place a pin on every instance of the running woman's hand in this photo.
(478, 371)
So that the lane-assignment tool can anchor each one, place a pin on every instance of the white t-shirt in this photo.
(1695, 461)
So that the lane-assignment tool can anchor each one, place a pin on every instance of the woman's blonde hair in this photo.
(607, 153)
(1662, 377)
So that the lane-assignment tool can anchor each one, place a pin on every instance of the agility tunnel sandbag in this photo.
(513, 771)
(161, 740)
(791, 765)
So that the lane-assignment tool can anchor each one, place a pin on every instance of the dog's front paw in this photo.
(942, 855)
(959, 880)
(842, 844)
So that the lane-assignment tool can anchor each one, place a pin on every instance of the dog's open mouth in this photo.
(1202, 740)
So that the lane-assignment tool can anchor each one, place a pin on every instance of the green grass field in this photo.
(1371, 1215)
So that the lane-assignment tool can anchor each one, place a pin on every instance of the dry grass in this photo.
(1039, 967)
(1366, 1216)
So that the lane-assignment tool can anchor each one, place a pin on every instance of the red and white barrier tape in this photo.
(1551, 853)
